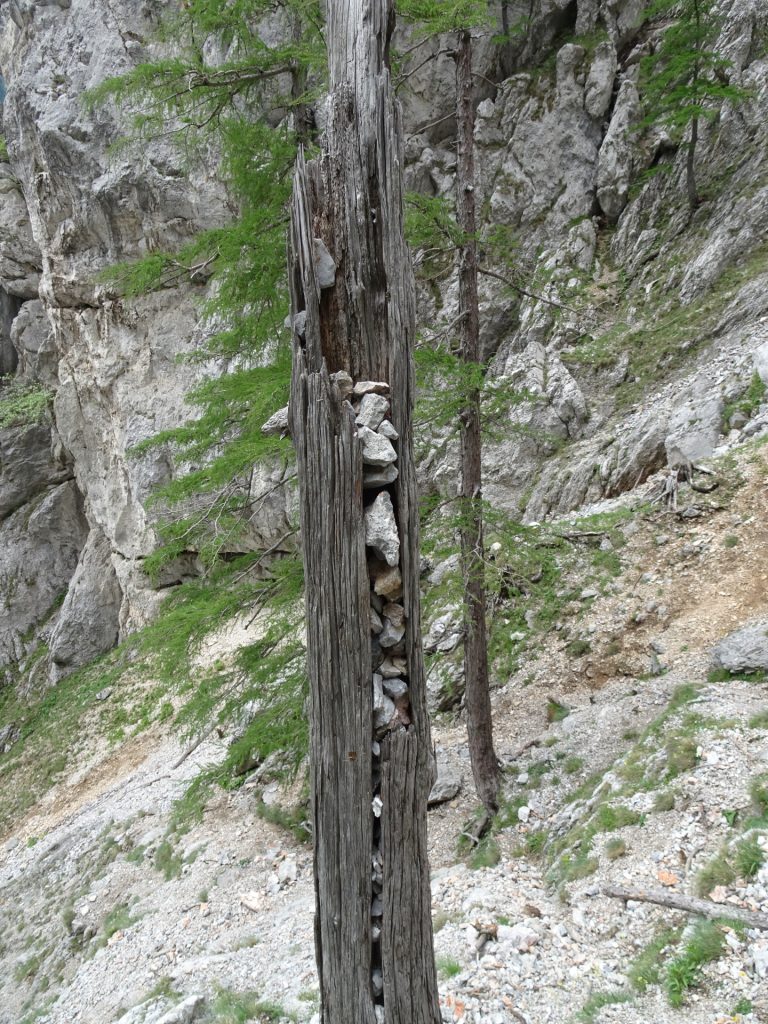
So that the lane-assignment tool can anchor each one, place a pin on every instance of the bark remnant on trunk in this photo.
(370, 751)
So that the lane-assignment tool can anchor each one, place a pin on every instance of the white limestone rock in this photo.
(373, 409)
(377, 450)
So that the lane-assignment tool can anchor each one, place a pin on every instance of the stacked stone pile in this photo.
(389, 678)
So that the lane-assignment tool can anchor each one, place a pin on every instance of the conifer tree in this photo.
(685, 80)
(458, 18)
(251, 106)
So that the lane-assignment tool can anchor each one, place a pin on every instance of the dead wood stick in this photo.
(511, 758)
(189, 751)
(690, 904)
(582, 534)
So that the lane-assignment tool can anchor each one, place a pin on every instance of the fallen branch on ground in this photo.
(690, 904)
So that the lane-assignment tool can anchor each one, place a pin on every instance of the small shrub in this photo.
(572, 765)
(615, 848)
(759, 721)
(706, 944)
(664, 801)
(742, 1007)
(731, 541)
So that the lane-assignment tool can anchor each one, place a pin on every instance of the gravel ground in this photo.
(92, 930)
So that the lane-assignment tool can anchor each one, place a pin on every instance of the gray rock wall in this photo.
(558, 164)
(68, 209)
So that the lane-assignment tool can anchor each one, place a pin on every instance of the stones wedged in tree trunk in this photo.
(373, 409)
(381, 529)
(377, 450)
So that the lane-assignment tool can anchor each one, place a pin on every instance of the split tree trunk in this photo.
(373, 927)
(485, 765)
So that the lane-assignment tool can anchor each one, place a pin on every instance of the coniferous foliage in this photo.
(226, 91)
(686, 80)
(225, 94)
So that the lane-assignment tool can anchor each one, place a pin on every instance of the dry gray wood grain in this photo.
(351, 199)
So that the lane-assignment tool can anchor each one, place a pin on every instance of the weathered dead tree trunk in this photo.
(353, 322)
(485, 766)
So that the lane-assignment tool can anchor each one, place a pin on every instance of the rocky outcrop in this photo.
(68, 209)
(558, 162)
(745, 650)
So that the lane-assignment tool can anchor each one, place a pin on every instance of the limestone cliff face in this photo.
(561, 166)
(558, 166)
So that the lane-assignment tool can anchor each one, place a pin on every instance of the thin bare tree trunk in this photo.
(690, 162)
(690, 167)
(371, 759)
(485, 765)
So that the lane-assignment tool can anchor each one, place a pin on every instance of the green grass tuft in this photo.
(749, 857)
(719, 871)
(557, 712)
(591, 1009)
(681, 755)
(167, 862)
(22, 402)
(706, 944)
(228, 1007)
(615, 848)
(646, 968)
(664, 801)
(448, 968)
(486, 854)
